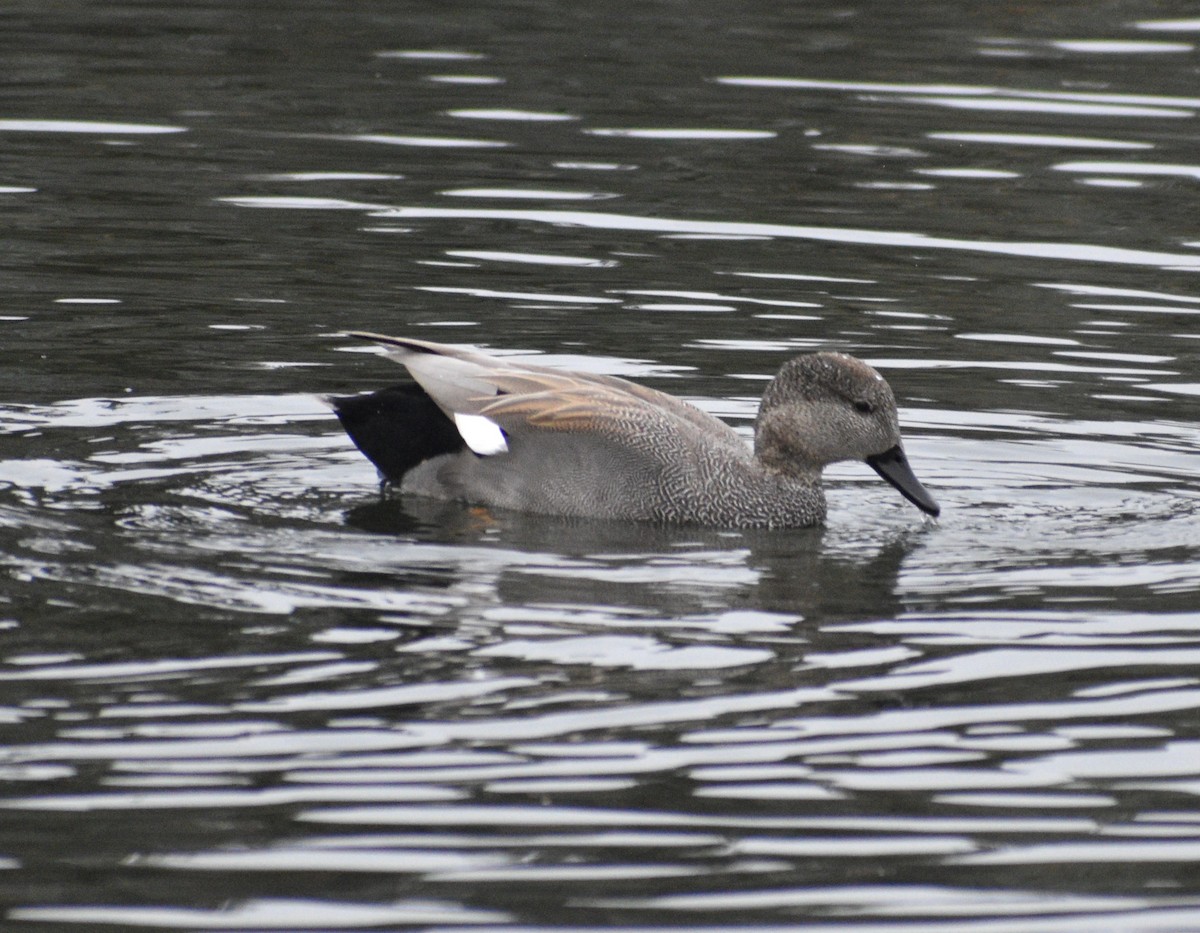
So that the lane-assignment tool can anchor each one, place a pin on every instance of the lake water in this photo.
(241, 691)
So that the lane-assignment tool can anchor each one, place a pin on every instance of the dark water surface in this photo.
(239, 691)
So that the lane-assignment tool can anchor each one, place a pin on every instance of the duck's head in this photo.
(823, 408)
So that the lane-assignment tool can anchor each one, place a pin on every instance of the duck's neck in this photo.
(780, 446)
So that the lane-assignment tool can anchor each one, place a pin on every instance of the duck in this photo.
(498, 433)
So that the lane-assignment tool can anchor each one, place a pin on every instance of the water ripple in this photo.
(1072, 252)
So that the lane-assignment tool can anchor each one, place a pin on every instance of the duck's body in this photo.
(485, 430)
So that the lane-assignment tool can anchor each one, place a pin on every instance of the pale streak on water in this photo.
(241, 691)
(1087, 252)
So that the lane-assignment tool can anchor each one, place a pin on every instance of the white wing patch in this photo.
(481, 434)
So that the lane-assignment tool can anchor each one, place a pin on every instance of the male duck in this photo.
(489, 431)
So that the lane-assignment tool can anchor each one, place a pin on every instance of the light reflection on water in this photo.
(1084, 252)
(241, 690)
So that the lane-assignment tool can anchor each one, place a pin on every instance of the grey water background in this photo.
(240, 691)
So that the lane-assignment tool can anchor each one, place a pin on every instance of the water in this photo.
(240, 691)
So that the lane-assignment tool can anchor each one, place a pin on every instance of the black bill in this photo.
(893, 466)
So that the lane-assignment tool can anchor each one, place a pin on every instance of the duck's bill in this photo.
(893, 466)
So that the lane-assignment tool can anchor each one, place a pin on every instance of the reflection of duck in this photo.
(515, 435)
(633, 573)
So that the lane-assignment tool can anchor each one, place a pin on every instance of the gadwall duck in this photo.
(494, 432)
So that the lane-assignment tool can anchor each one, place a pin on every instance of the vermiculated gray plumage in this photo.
(595, 446)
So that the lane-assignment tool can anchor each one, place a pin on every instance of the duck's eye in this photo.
(863, 407)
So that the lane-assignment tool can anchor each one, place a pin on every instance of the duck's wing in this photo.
(453, 378)
(523, 398)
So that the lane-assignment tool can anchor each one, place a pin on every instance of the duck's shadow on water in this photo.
(797, 571)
